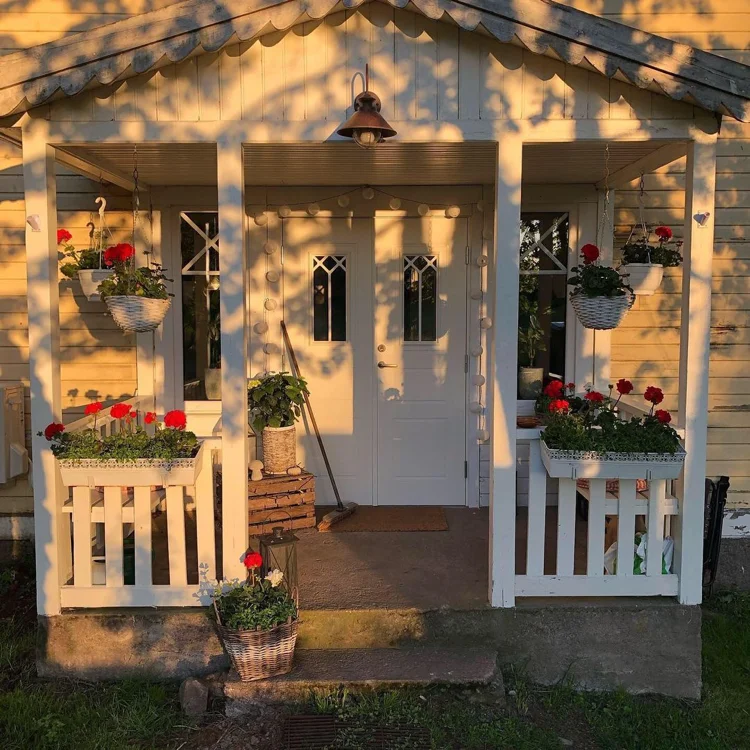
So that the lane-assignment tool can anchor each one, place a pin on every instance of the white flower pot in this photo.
(90, 278)
(644, 278)
(143, 472)
(601, 313)
(212, 382)
(530, 380)
(562, 464)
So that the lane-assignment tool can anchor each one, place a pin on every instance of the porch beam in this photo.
(646, 164)
(503, 371)
(44, 361)
(543, 131)
(234, 422)
(695, 337)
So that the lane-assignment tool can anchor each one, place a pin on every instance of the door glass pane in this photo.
(201, 325)
(420, 298)
(329, 298)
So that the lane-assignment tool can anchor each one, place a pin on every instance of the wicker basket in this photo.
(257, 654)
(138, 314)
(601, 313)
(279, 449)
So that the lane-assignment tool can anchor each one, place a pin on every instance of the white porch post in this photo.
(44, 360)
(695, 339)
(503, 371)
(234, 424)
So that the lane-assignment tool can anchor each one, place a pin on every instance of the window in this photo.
(543, 293)
(420, 298)
(329, 297)
(201, 325)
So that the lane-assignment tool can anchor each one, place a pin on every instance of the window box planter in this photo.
(142, 472)
(564, 464)
(644, 278)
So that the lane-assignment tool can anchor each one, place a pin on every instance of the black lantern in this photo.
(279, 552)
(367, 126)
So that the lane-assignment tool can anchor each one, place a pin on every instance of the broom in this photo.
(343, 510)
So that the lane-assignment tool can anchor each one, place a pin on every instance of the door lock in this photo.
(381, 348)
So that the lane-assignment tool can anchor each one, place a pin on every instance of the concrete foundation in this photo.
(652, 647)
(734, 565)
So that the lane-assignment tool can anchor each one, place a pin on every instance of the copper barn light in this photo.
(367, 126)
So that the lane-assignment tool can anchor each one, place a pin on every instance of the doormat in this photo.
(326, 732)
(391, 518)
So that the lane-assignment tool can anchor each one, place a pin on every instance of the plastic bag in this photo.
(640, 545)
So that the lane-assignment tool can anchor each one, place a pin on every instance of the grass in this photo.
(65, 715)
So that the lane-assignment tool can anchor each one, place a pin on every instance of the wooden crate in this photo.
(281, 501)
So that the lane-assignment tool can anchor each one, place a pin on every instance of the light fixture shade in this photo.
(367, 126)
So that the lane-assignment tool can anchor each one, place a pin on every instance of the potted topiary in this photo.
(530, 341)
(600, 296)
(275, 401)
(643, 262)
(585, 437)
(137, 298)
(257, 622)
(84, 265)
(165, 455)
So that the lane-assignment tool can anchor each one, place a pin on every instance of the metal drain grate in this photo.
(323, 732)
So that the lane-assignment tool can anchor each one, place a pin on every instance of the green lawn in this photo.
(79, 716)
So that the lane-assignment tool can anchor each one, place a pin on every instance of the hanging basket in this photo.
(90, 278)
(601, 313)
(644, 278)
(138, 314)
(257, 654)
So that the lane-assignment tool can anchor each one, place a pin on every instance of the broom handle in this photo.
(293, 356)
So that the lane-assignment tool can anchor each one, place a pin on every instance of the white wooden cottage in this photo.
(503, 110)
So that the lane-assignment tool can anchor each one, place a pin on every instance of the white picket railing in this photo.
(115, 531)
(652, 509)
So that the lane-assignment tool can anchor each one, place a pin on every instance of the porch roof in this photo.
(121, 50)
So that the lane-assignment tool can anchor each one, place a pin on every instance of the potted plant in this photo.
(212, 374)
(585, 438)
(137, 298)
(530, 341)
(643, 262)
(257, 622)
(84, 265)
(600, 296)
(275, 401)
(165, 455)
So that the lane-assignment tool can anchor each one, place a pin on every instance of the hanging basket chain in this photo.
(136, 208)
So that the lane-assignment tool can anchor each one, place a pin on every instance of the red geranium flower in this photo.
(133, 414)
(63, 235)
(119, 253)
(663, 233)
(663, 416)
(559, 406)
(570, 386)
(654, 395)
(150, 417)
(590, 253)
(553, 389)
(253, 560)
(175, 419)
(595, 397)
(53, 429)
(119, 411)
(624, 386)
(94, 408)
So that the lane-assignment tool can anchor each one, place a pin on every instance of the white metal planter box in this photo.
(562, 464)
(143, 472)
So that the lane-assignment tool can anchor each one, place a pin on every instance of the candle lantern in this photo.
(279, 552)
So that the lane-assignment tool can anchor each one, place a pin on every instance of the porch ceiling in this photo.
(394, 163)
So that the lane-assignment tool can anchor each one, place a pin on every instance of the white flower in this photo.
(275, 577)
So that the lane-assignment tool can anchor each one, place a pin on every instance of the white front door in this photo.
(376, 311)
(420, 340)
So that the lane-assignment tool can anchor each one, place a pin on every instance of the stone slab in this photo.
(375, 669)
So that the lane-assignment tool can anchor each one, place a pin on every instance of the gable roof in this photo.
(151, 40)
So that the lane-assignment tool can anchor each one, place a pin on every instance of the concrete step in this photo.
(375, 668)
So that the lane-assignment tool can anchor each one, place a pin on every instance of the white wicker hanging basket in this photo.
(601, 313)
(138, 314)
(90, 278)
(643, 278)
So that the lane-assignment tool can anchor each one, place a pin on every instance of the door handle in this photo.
(382, 365)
